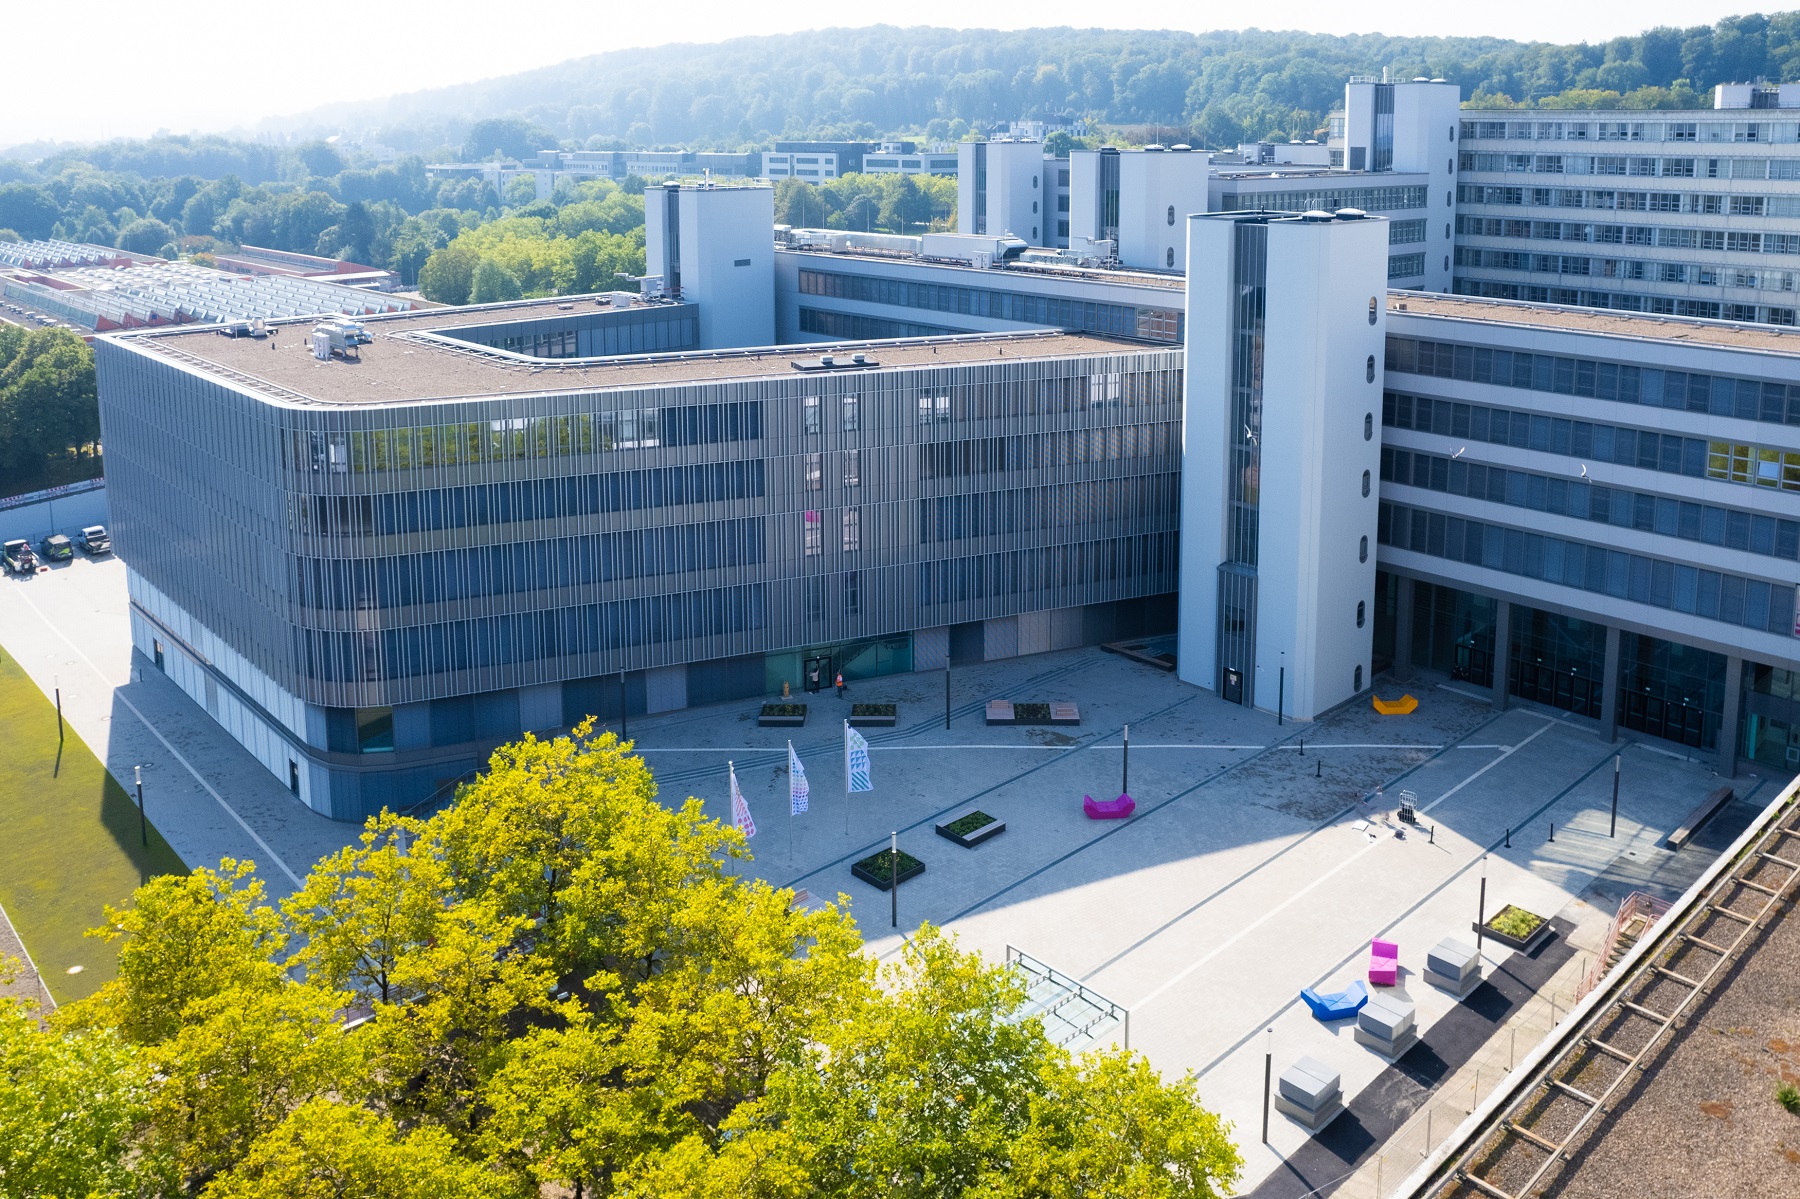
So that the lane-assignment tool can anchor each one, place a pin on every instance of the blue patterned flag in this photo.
(856, 760)
(797, 788)
(740, 811)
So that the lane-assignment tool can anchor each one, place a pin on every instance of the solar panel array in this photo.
(180, 292)
(49, 253)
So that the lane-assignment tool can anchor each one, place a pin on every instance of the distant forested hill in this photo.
(1220, 86)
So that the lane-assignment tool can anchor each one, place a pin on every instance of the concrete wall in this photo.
(727, 259)
(66, 514)
(1158, 190)
(1321, 380)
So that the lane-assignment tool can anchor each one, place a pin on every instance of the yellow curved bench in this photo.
(1396, 707)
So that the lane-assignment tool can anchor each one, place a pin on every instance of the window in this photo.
(813, 535)
(852, 593)
(1369, 370)
(1365, 482)
(1362, 551)
(851, 417)
(1360, 613)
(1368, 426)
(934, 408)
(1371, 310)
(852, 468)
(1358, 684)
(1171, 214)
(809, 414)
(814, 471)
(852, 530)
(1169, 258)
(374, 730)
(1034, 208)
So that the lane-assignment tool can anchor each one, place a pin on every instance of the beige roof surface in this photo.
(400, 366)
(1725, 334)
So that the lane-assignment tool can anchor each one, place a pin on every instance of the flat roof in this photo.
(1048, 270)
(400, 366)
(1608, 322)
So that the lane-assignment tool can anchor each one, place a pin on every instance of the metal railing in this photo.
(1069, 1011)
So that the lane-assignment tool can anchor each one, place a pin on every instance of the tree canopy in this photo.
(561, 982)
(49, 410)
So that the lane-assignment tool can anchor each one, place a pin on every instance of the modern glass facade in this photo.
(422, 577)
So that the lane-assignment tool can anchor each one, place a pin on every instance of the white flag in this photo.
(797, 788)
(856, 760)
(740, 811)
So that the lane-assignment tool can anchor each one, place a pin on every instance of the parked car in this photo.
(57, 548)
(17, 558)
(94, 541)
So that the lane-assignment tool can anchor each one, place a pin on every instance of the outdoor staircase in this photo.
(1636, 915)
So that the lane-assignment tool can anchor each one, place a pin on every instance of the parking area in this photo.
(1247, 872)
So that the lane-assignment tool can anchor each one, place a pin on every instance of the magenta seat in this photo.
(1108, 809)
(1384, 963)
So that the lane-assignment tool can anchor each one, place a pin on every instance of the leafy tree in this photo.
(70, 1105)
(48, 402)
(798, 203)
(362, 909)
(327, 1150)
(493, 282)
(449, 273)
(145, 236)
(508, 137)
(27, 209)
(185, 938)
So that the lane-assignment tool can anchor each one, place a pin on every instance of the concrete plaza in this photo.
(1243, 876)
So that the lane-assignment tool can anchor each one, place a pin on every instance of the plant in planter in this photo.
(971, 830)
(874, 716)
(876, 869)
(782, 716)
(1516, 927)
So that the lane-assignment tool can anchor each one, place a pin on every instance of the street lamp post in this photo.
(1481, 907)
(894, 878)
(143, 826)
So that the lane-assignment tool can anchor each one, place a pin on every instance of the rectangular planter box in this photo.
(772, 718)
(999, 712)
(969, 840)
(1537, 937)
(910, 868)
(875, 716)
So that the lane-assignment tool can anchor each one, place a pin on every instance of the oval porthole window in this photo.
(1169, 258)
(1369, 370)
(1365, 482)
(1360, 612)
(1368, 425)
(1358, 684)
(1362, 551)
(1171, 214)
(1371, 310)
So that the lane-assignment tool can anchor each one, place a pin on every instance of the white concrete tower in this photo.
(1002, 190)
(1410, 128)
(1285, 326)
(714, 247)
(1139, 200)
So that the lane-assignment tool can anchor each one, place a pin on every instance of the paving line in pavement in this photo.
(118, 694)
(1320, 880)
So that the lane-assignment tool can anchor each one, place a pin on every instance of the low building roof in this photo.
(1731, 335)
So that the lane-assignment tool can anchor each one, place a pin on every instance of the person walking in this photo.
(840, 684)
(812, 680)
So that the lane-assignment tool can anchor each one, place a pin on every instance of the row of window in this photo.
(1149, 560)
(1118, 320)
(1727, 462)
(526, 499)
(852, 326)
(518, 438)
(1618, 164)
(1698, 274)
(1148, 500)
(340, 584)
(1667, 236)
(522, 637)
(1403, 233)
(1630, 131)
(1711, 310)
(1710, 594)
(1038, 451)
(1660, 514)
(1405, 266)
(1692, 203)
(1690, 391)
(1369, 199)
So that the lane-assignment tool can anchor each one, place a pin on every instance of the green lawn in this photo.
(68, 840)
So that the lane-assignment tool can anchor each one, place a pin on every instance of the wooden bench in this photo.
(1709, 807)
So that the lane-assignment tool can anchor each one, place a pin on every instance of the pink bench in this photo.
(1108, 809)
(1384, 963)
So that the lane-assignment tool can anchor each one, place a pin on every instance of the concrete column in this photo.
(1502, 651)
(1728, 723)
(1609, 689)
(1403, 627)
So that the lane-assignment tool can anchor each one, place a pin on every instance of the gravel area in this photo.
(1703, 1120)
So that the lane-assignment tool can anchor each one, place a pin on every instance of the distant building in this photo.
(904, 158)
(1001, 191)
(712, 246)
(258, 260)
(814, 162)
(1135, 203)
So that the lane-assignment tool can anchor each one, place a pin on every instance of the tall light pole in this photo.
(894, 878)
(1125, 779)
(1481, 907)
(143, 825)
(1614, 830)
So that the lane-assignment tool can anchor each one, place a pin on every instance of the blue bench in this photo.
(1339, 1005)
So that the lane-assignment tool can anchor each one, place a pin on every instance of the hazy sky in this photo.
(111, 69)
